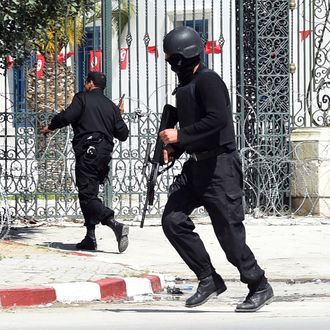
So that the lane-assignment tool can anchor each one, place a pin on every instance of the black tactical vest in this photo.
(190, 112)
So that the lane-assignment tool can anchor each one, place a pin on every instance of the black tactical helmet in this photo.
(183, 40)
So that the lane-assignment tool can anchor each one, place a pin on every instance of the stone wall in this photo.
(310, 185)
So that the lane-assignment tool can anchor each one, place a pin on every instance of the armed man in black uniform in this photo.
(212, 177)
(96, 121)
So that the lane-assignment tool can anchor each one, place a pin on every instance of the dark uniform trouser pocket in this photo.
(222, 193)
(235, 206)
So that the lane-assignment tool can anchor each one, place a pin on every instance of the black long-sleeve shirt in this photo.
(204, 113)
(91, 112)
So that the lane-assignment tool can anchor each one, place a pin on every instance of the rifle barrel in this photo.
(146, 158)
(143, 214)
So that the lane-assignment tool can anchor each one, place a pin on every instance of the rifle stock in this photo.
(168, 120)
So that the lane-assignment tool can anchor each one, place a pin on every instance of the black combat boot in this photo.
(89, 242)
(256, 299)
(121, 232)
(208, 287)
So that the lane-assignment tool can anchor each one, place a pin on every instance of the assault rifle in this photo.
(168, 120)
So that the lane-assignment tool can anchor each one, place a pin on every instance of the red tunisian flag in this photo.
(95, 58)
(61, 57)
(40, 65)
(123, 58)
(304, 34)
(216, 49)
(153, 50)
(9, 62)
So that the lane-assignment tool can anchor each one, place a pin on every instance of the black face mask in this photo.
(183, 67)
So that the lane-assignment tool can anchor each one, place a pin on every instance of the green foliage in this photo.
(49, 25)
(23, 23)
(121, 12)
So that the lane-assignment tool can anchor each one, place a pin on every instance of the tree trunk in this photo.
(49, 94)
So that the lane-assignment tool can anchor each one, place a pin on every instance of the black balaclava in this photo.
(183, 67)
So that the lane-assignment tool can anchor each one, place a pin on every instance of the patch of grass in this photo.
(39, 197)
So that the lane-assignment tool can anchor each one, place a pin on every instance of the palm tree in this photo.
(121, 12)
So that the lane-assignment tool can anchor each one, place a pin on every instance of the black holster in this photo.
(87, 145)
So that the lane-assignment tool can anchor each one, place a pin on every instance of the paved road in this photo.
(165, 315)
(288, 250)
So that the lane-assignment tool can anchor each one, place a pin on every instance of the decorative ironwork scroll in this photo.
(263, 101)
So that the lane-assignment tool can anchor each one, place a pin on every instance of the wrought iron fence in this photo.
(273, 56)
(309, 58)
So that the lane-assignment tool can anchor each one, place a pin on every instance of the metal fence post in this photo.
(107, 67)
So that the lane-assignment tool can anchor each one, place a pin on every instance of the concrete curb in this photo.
(100, 290)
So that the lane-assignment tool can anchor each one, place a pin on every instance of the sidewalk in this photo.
(39, 264)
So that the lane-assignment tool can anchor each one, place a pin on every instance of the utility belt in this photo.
(197, 156)
(87, 144)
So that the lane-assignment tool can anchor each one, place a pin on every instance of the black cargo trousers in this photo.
(215, 183)
(93, 154)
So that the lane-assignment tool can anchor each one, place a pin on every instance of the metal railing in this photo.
(272, 55)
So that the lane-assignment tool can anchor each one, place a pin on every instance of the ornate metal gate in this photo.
(273, 56)
(263, 105)
(247, 43)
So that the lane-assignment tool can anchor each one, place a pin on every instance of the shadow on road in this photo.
(154, 310)
(22, 233)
